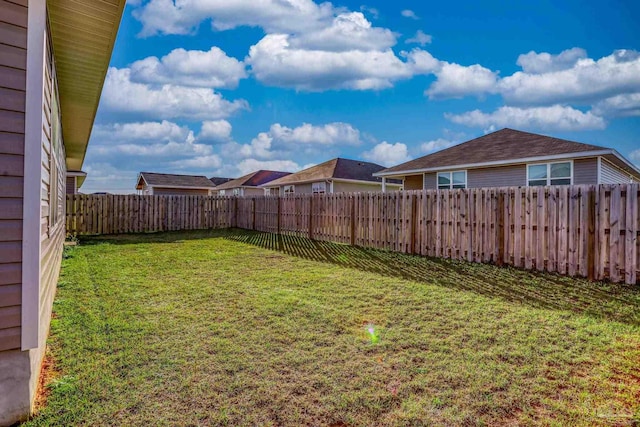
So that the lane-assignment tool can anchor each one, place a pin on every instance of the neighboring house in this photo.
(165, 184)
(513, 158)
(249, 185)
(74, 181)
(54, 57)
(219, 180)
(334, 176)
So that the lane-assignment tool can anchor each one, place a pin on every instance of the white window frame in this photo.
(238, 191)
(319, 187)
(288, 189)
(548, 164)
(451, 172)
(222, 192)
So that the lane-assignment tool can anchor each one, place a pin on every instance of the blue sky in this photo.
(225, 87)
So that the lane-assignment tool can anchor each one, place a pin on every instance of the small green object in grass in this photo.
(373, 333)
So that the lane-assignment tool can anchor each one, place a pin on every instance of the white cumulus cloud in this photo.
(184, 16)
(141, 131)
(587, 81)
(215, 130)
(457, 81)
(250, 165)
(212, 68)
(408, 13)
(328, 134)
(168, 101)
(387, 154)
(275, 62)
(625, 105)
(557, 118)
(435, 145)
(420, 38)
(539, 63)
(348, 31)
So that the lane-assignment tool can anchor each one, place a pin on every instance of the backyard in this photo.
(245, 328)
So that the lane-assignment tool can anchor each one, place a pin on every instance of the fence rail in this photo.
(582, 230)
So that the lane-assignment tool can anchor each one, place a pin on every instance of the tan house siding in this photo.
(585, 171)
(355, 187)
(13, 63)
(413, 182)
(300, 189)
(253, 191)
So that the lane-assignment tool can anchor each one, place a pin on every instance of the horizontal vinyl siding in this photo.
(354, 187)
(585, 171)
(413, 182)
(502, 176)
(13, 62)
(610, 174)
(52, 196)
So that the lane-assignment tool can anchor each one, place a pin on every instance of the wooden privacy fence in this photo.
(583, 230)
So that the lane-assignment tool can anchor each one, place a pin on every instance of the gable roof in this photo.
(497, 147)
(338, 168)
(173, 181)
(216, 180)
(253, 179)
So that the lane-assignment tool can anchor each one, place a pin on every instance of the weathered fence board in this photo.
(588, 230)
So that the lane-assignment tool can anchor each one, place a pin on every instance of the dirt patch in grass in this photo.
(48, 373)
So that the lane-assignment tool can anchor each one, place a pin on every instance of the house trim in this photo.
(574, 155)
(31, 208)
(599, 172)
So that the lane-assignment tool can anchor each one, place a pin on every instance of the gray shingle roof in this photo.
(172, 180)
(502, 145)
(337, 168)
(253, 179)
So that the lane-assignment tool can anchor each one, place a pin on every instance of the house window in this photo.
(540, 174)
(319, 187)
(289, 189)
(237, 192)
(221, 192)
(449, 180)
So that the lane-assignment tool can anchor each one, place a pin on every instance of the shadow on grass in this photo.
(597, 299)
(544, 290)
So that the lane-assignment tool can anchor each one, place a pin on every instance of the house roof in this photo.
(173, 181)
(254, 179)
(219, 180)
(338, 168)
(83, 34)
(503, 145)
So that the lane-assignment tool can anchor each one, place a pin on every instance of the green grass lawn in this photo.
(247, 329)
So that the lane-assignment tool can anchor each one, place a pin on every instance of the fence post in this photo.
(253, 207)
(278, 217)
(412, 238)
(311, 217)
(353, 219)
(591, 230)
(500, 228)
